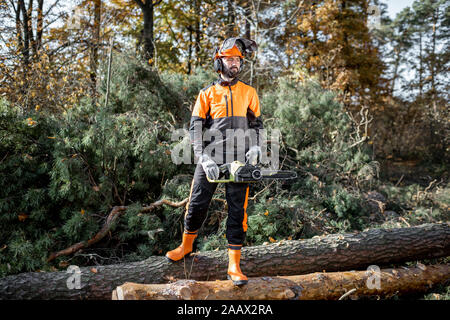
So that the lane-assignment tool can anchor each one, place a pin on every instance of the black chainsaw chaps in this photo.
(236, 194)
(202, 192)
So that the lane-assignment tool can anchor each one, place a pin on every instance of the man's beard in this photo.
(230, 73)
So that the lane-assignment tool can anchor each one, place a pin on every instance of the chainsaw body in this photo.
(239, 172)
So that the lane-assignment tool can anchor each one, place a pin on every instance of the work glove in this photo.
(210, 167)
(253, 155)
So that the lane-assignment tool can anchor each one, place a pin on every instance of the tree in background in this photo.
(415, 47)
(431, 29)
(331, 40)
(27, 54)
(52, 56)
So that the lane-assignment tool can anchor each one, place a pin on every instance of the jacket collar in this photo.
(224, 83)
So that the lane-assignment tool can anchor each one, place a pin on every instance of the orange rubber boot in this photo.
(184, 249)
(234, 270)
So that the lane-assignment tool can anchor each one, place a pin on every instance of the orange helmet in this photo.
(233, 47)
(230, 48)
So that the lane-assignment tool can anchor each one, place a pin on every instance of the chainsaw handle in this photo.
(225, 168)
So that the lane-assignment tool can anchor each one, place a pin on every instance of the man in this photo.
(228, 104)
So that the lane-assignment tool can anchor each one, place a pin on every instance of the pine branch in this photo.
(115, 213)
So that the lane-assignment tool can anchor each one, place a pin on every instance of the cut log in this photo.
(338, 252)
(314, 286)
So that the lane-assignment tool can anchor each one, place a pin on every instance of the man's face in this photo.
(231, 66)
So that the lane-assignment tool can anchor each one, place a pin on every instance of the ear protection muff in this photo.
(218, 65)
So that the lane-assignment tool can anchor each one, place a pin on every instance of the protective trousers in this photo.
(200, 197)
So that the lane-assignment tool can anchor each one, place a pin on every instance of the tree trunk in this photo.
(313, 286)
(93, 59)
(189, 60)
(331, 253)
(420, 66)
(231, 19)
(395, 73)
(247, 25)
(40, 25)
(30, 27)
(26, 34)
(433, 62)
(147, 8)
(198, 34)
(148, 32)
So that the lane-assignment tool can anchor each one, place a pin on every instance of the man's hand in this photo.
(254, 155)
(210, 167)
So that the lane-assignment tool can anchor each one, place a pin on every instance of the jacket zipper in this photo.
(231, 98)
(226, 103)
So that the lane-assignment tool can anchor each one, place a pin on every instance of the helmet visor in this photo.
(229, 44)
(245, 46)
(249, 46)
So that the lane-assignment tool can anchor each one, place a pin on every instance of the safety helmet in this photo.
(233, 47)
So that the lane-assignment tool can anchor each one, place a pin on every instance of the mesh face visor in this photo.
(230, 43)
(249, 45)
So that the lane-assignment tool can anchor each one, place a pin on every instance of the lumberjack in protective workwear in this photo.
(226, 105)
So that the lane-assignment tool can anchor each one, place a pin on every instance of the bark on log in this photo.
(331, 253)
(314, 286)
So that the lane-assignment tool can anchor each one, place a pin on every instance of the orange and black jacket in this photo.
(225, 105)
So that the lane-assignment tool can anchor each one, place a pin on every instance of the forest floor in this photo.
(407, 172)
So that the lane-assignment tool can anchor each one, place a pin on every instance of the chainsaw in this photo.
(237, 171)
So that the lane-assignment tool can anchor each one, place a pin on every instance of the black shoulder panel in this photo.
(207, 87)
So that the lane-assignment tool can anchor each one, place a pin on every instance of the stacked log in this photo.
(315, 286)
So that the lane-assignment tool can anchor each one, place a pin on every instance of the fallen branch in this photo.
(115, 213)
(314, 286)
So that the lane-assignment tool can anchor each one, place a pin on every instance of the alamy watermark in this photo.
(74, 280)
(225, 147)
(374, 277)
(374, 21)
(74, 19)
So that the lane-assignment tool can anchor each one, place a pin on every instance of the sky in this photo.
(395, 6)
